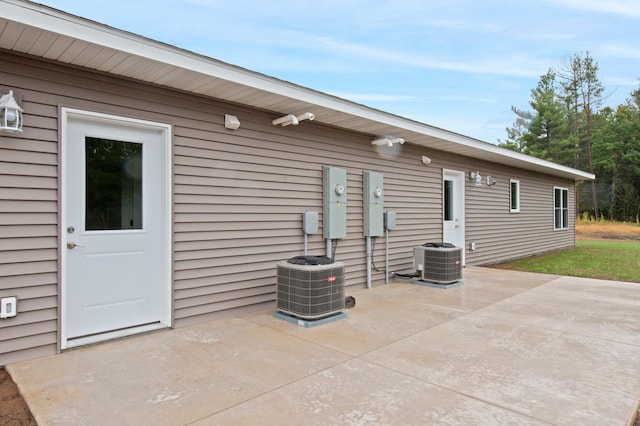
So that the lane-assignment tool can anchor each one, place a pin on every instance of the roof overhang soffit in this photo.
(77, 41)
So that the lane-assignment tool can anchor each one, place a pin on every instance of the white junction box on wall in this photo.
(8, 307)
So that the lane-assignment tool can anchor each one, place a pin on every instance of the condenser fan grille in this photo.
(438, 264)
(310, 291)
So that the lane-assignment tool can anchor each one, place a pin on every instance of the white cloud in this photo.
(623, 81)
(517, 64)
(621, 51)
(463, 98)
(458, 25)
(630, 8)
(373, 97)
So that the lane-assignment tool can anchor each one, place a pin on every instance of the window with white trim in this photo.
(560, 208)
(514, 195)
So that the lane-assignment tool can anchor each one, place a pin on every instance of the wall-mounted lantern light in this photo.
(10, 114)
(475, 178)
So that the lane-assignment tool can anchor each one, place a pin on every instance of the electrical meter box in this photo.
(334, 205)
(373, 204)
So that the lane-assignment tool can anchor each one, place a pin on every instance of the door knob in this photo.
(72, 245)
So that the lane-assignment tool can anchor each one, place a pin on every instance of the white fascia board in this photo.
(471, 143)
(47, 19)
(523, 158)
(58, 22)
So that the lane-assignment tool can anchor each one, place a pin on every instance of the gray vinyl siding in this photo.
(29, 235)
(503, 235)
(239, 204)
(238, 197)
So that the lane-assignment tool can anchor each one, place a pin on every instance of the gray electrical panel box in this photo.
(310, 222)
(373, 204)
(390, 220)
(334, 206)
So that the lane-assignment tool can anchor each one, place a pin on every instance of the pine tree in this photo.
(616, 149)
(515, 134)
(548, 137)
(583, 96)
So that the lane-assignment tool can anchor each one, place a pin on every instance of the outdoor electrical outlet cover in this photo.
(8, 307)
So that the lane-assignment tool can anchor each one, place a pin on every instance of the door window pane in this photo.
(113, 185)
(448, 200)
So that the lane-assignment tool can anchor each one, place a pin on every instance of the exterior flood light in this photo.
(10, 114)
(306, 116)
(285, 121)
(387, 141)
(291, 119)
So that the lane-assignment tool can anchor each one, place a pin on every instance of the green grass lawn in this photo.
(609, 260)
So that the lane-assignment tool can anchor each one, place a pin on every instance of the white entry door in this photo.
(453, 209)
(115, 227)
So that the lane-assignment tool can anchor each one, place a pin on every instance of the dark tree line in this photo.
(569, 125)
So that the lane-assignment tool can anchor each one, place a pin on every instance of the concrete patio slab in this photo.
(365, 329)
(505, 348)
(359, 393)
(549, 375)
(173, 377)
(613, 309)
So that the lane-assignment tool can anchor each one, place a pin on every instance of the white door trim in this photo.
(461, 197)
(166, 132)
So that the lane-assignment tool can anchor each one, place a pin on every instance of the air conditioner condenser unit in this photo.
(310, 287)
(439, 263)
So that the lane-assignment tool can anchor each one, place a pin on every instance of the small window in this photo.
(560, 208)
(515, 196)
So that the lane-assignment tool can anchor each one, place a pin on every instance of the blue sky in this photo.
(454, 64)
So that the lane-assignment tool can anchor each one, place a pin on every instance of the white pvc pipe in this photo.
(328, 247)
(305, 243)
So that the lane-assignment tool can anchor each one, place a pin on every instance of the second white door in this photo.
(453, 212)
